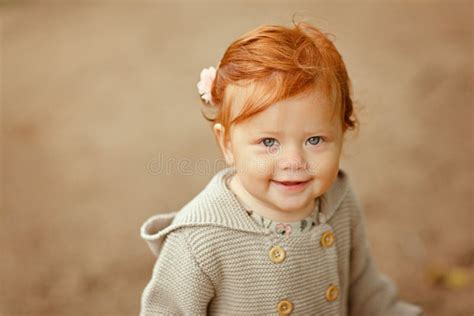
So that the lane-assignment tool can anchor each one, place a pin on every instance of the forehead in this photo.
(310, 111)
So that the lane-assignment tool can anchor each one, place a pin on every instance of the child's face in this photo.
(293, 140)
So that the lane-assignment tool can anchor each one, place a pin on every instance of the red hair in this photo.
(272, 63)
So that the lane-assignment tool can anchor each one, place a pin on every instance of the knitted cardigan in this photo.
(213, 259)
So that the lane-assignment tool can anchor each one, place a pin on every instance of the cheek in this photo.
(324, 164)
(254, 164)
(254, 182)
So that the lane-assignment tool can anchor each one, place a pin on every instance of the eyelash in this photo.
(321, 139)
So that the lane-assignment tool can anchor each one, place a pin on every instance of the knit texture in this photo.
(214, 259)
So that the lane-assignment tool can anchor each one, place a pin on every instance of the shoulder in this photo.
(340, 197)
(191, 246)
(351, 212)
(211, 248)
(212, 240)
(350, 195)
(345, 201)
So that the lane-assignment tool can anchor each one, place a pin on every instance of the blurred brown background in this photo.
(94, 95)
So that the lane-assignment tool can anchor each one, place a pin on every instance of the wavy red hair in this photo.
(272, 63)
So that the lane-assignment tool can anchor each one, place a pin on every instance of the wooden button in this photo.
(284, 307)
(332, 292)
(277, 254)
(327, 239)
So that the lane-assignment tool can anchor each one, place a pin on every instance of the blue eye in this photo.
(314, 140)
(268, 142)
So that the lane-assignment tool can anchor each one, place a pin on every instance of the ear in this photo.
(224, 145)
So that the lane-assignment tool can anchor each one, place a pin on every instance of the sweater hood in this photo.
(216, 205)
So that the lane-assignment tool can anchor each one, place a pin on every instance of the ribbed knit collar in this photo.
(216, 205)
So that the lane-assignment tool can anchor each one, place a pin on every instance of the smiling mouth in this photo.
(291, 184)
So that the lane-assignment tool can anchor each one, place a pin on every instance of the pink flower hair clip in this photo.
(204, 85)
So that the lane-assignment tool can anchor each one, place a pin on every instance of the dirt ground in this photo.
(95, 95)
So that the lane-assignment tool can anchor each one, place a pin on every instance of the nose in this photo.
(291, 158)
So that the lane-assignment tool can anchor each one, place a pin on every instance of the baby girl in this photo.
(279, 230)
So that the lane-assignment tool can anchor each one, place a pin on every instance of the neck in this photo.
(249, 202)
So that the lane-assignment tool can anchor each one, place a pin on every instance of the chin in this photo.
(291, 207)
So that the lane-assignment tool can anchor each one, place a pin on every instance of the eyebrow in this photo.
(322, 130)
(269, 132)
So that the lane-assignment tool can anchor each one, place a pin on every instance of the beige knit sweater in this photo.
(213, 259)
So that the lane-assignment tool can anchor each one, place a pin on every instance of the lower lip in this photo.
(293, 187)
